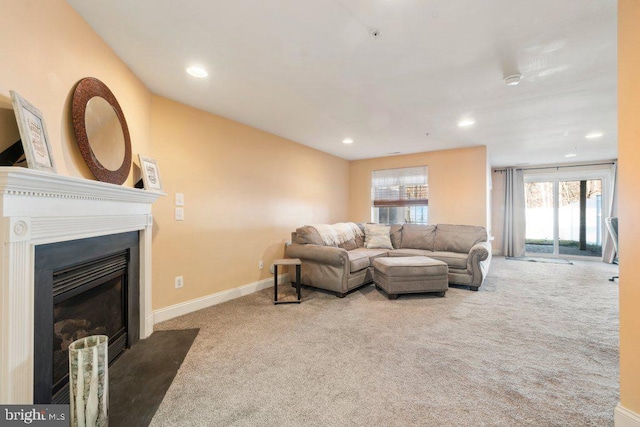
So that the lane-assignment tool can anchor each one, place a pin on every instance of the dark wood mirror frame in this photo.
(86, 89)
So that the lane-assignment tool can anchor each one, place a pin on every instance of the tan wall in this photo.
(245, 192)
(45, 49)
(629, 203)
(457, 184)
(497, 210)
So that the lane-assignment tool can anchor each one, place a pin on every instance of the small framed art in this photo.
(33, 133)
(150, 173)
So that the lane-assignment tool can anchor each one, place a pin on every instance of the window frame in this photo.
(397, 194)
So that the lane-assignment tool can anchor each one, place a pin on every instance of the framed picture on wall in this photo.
(33, 134)
(150, 173)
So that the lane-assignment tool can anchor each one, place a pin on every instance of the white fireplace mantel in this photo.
(38, 208)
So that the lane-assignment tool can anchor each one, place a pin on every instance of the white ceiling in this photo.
(310, 71)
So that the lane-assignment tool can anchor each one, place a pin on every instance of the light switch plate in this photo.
(179, 199)
(179, 214)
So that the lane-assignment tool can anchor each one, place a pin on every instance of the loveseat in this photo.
(339, 257)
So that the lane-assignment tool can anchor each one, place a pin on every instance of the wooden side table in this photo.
(283, 262)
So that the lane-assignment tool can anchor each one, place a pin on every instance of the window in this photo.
(400, 196)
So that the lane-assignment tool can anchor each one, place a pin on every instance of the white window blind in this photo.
(400, 187)
(400, 196)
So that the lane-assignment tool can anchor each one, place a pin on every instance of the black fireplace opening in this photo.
(82, 287)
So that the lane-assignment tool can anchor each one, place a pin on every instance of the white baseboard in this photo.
(625, 418)
(148, 326)
(218, 298)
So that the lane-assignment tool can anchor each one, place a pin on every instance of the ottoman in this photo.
(408, 275)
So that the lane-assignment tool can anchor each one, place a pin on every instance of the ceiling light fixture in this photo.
(570, 155)
(466, 122)
(513, 79)
(593, 135)
(198, 72)
(347, 141)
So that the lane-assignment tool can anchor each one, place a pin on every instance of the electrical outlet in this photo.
(179, 214)
(260, 265)
(179, 282)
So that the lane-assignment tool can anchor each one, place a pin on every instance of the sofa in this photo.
(339, 257)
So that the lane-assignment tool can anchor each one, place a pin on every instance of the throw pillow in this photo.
(376, 236)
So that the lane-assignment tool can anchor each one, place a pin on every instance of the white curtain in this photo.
(514, 214)
(608, 251)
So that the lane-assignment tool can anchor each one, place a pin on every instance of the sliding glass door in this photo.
(580, 217)
(540, 217)
(564, 216)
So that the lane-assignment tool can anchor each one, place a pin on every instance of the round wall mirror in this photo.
(101, 131)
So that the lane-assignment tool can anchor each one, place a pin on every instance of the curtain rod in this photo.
(558, 167)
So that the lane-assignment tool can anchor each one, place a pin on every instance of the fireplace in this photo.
(38, 209)
(82, 287)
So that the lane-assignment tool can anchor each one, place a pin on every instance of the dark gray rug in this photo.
(541, 259)
(139, 379)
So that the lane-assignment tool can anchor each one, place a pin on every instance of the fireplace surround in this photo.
(40, 208)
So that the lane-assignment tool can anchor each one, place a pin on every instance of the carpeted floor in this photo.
(536, 346)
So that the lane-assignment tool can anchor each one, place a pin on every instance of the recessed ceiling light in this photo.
(513, 79)
(347, 141)
(593, 135)
(570, 155)
(466, 122)
(198, 72)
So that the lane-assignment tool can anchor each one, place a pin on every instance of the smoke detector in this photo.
(513, 79)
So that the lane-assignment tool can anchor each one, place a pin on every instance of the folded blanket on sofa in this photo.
(337, 234)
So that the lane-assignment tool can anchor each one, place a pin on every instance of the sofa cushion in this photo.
(409, 252)
(395, 233)
(453, 259)
(358, 260)
(371, 253)
(418, 236)
(308, 235)
(377, 236)
(348, 245)
(360, 238)
(458, 238)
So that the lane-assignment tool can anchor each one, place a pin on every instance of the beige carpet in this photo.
(536, 346)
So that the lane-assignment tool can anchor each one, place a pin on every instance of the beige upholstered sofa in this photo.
(341, 265)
